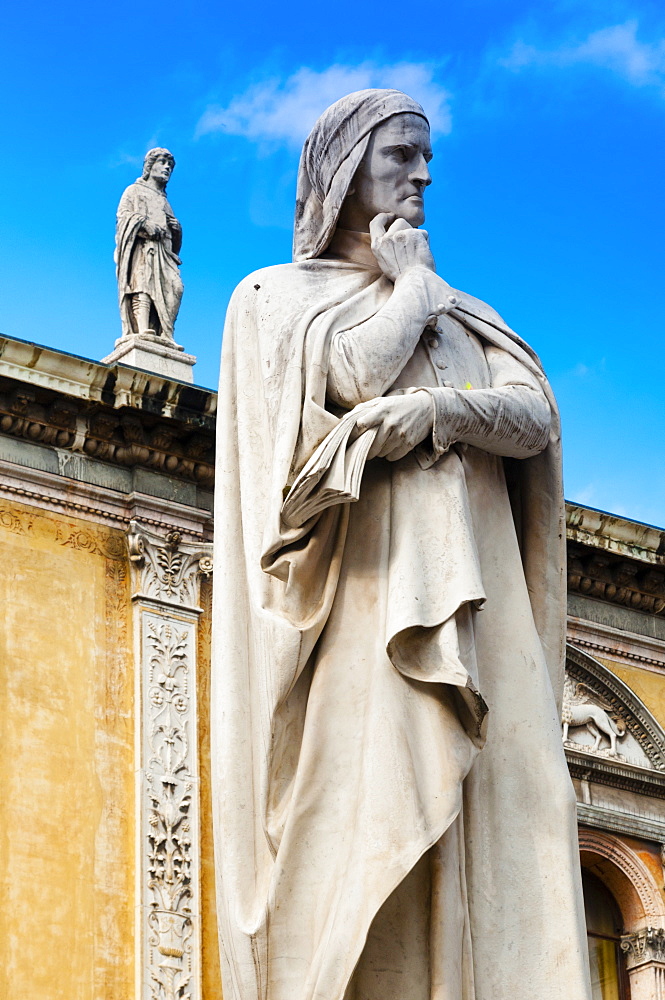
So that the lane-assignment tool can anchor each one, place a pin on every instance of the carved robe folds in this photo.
(359, 827)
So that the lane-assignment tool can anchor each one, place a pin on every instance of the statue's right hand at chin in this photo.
(398, 247)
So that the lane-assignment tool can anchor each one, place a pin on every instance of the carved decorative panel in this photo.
(166, 574)
(170, 806)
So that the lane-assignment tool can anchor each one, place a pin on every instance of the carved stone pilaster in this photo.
(166, 575)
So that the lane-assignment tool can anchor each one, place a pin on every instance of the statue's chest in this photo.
(448, 356)
(155, 206)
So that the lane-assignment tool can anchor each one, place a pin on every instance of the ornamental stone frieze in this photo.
(166, 575)
(610, 577)
(615, 560)
(167, 436)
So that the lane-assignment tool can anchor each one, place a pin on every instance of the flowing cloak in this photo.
(364, 845)
(144, 264)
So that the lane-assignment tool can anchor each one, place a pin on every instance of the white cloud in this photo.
(284, 110)
(616, 48)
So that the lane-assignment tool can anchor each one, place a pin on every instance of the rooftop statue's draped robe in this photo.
(147, 264)
(366, 846)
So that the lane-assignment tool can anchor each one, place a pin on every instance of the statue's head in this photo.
(367, 153)
(158, 163)
(392, 175)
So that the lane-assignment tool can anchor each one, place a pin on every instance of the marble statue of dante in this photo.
(393, 814)
(148, 239)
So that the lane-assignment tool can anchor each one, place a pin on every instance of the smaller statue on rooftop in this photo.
(148, 239)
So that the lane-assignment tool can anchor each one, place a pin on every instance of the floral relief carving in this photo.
(11, 520)
(170, 783)
(98, 542)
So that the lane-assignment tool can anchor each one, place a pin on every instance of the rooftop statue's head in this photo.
(367, 154)
(158, 166)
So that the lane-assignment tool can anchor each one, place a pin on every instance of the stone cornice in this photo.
(611, 652)
(114, 385)
(114, 414)
(615, 774)
(616, 560)
(608, 575)
(597, 529)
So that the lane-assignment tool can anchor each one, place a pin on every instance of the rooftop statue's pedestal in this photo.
(152, 353)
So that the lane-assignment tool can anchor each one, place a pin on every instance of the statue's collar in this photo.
(351, 246)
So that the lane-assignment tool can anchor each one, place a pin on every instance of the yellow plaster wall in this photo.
(67, 807)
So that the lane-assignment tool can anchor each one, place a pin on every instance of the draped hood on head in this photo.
(330, 157)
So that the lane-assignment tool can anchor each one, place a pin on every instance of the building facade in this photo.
(106, 480)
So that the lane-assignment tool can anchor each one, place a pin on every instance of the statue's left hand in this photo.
(403, 422)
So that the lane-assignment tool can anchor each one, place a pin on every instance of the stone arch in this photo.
(626, 876)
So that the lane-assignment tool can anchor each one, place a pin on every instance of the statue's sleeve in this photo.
(366, 359)
(512, 418)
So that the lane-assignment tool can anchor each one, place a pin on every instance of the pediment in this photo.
(607, 730)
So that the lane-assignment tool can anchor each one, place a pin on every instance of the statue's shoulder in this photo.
(478, 309)
(131, 194)
(471, 309)
(284, 282)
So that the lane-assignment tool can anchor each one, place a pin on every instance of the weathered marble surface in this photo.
(378, 832)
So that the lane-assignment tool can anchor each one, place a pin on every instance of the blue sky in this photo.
(547, 201)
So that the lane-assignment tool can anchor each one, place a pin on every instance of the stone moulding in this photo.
(625, 654)
(166, 575)
(597, 529)
(114, 385)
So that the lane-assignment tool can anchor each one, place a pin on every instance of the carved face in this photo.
(161, 169)
(393, 174)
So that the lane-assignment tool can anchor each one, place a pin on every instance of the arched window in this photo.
(609, 980)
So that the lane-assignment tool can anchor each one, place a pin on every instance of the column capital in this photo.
(645, 945)
(165, 569)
